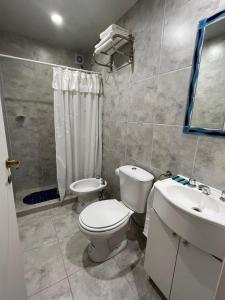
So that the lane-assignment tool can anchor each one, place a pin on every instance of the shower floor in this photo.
(23, 207)
(41, 196)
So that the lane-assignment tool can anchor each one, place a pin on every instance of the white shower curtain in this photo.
(78, 126)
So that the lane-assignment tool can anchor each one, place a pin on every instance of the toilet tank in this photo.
(135, 185)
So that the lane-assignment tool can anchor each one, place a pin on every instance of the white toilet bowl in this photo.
(105, 224)
(87, 191)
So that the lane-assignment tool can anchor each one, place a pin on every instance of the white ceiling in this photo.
(83, 19)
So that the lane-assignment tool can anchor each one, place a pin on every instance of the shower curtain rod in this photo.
(48, 64)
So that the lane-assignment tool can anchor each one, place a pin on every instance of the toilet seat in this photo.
(104, 215)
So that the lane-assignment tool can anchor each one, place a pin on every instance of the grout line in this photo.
(195, 155)
(39, 247)
(126, 132)
(51, 285)
(152, 123)
(175, 70)
(162, 37)
(71, 292)
(62, 256)
(152, 144)
(138, 81)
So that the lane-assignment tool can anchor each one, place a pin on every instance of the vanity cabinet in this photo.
(196, 274)
(161, 252)
(179, 269)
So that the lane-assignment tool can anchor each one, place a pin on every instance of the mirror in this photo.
(205, 112)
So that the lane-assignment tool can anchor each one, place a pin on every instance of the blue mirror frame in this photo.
(194, 77)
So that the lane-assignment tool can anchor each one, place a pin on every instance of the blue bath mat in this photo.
(41, 196)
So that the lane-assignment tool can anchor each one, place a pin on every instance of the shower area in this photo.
(34, 98)
(29, 119)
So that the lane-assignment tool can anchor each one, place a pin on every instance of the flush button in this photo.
(133, 168)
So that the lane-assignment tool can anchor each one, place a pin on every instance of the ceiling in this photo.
(83, 19)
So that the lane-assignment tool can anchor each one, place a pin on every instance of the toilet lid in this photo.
(103, 214)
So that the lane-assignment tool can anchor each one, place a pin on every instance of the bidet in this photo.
(87, 191)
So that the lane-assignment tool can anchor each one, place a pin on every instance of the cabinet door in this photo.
(196, 274)
(161, 252)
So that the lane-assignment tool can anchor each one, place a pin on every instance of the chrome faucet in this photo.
(192, 182)
(205, 189)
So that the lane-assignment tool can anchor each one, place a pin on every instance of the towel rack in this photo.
(129, 54)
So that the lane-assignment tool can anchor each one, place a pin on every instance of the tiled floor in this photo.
(57, 266)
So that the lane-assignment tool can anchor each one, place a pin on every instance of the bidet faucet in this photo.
(205, 189)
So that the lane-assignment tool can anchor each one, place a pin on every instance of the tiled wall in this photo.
(144, 108)
(28, 92)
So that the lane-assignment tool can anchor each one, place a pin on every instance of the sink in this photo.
(196, 217)
(195, 202)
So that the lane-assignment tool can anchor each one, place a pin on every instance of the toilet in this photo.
(105, 223)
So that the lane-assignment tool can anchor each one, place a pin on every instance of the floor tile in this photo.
(139, 281)
(43, 267)
(46, 267)
(103, 282)
(41, 215)
(130, 256)
(59, 291)
(36, 230)
(67, 209)
(65, 225)
(74, 250)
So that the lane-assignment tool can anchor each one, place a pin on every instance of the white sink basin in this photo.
(198, 218)
(195, 202)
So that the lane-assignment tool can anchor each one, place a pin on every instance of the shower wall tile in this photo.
(181, 19)
(146, 44)
(169, 108)
(111, 160)
(135, 100)
(28, 92)
(210, 162)
(173, 150)
(116, 105)
(17, 45)
(142, 94)
(142, 15)
(222, 4)
(139, 142)
(155, 94)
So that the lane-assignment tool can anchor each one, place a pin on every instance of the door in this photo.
(161, 253)
(196, 274)
(12, 286)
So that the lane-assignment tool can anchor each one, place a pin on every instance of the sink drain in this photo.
(196, 209)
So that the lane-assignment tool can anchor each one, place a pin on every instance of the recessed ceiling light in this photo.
(57, 19)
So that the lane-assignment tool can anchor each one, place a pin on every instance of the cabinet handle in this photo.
(185, 243)
(174, 234)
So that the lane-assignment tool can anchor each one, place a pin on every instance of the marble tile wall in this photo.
(28, 92)
(144, 107)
